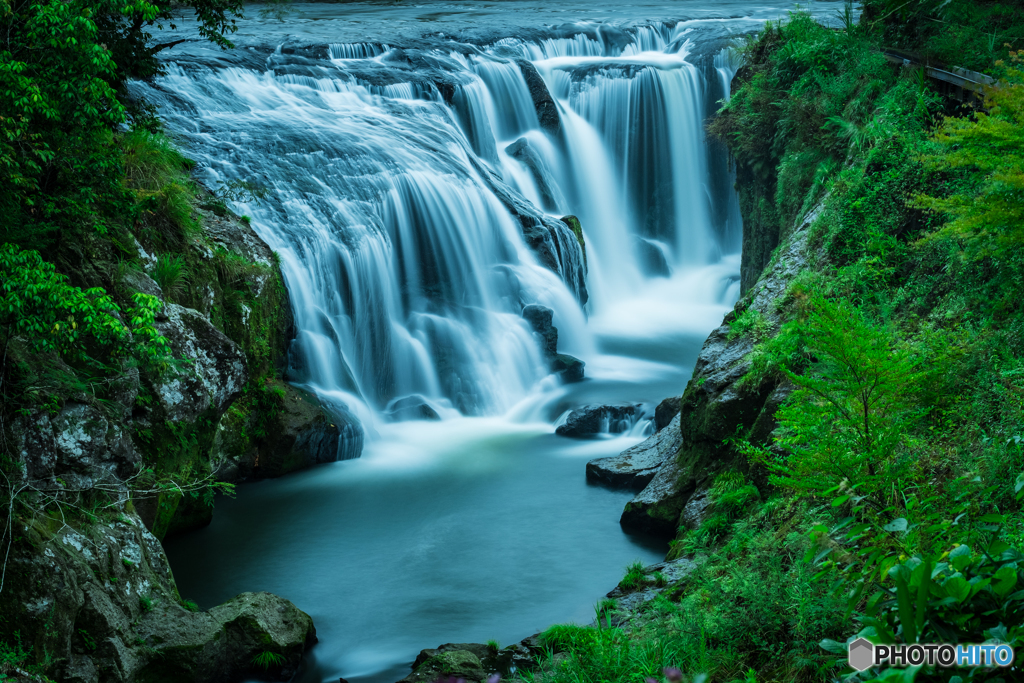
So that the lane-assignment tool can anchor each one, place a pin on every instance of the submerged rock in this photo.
(410, 408)
(540, 318)
(635, 467)
(568, 368)
(651, 256)
(600, 419)
(523, 151)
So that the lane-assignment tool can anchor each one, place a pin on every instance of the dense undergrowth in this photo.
(889, 499)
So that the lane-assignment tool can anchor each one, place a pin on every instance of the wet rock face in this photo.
(540, 318)
(568, 368)
(217, 372)
(523, 151)
(101, 600)
(665, 411)
(635, 467)
(597, 419)
(547, 111)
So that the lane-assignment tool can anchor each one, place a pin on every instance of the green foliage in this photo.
(145, 603)
(750, 324)
(190, 605)
(171, 273)
(853, 406)
(987, 214)
(267, 659)
(901, 586)
(63, 66)
(635, 576)
(40, 311)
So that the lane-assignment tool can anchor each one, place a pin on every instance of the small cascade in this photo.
(415, 195)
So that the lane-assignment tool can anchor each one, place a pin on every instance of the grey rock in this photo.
(540, 318)
(695, 510)
(635, 467)
(217, 371)
(655, 510)
(138, 281)
(597, 419)
(78, 448)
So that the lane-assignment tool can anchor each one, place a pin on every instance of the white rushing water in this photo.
(390, 169)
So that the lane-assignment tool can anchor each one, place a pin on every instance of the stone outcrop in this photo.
(474, 662)
(100, 599)
(215, 369)
(413, 407)
(718, 405)
(568, 368)
(600, 419)
(547, 110)
(635, 467)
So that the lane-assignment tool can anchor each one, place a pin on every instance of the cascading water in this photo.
(416, 181)
(390, 171)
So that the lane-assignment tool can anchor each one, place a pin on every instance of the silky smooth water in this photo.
(395, 139)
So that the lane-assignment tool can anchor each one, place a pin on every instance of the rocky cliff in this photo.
(86, 591)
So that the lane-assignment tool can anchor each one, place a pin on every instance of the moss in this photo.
(577, 229)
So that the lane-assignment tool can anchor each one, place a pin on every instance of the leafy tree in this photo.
(45, 315)
(853, 405)
(63, 66)
(990, 214)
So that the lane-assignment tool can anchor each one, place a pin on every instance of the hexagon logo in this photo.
(861, 654)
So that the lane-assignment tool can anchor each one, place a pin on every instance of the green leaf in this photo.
(960, 557)
(1004, 581)
(957, 588)
(896, 525)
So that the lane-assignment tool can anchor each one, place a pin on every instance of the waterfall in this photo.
(415, 194)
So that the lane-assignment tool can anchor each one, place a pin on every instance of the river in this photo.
(394, 138)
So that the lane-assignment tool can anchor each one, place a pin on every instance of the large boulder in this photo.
(258, 634)
(101, 601)
(215, 372)
(303, 434)
(635, 467)
(413, 407)
(595, 419)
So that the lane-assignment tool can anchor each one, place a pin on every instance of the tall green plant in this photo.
(852, 407)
